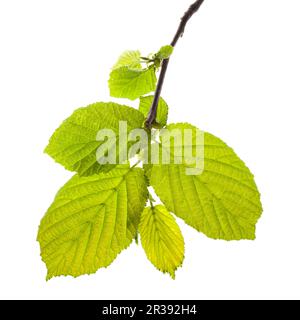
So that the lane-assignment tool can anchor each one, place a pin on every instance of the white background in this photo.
(236, 74)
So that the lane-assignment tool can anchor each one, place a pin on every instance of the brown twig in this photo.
(164, 66)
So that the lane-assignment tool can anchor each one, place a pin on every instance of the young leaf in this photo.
(131, 83)
(223, 202)
(162, 109)
(91, 220)
(130, 59)
(74, 143)
(161, 239)
(165, 52)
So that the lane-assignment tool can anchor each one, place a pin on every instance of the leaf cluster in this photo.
(104, 207)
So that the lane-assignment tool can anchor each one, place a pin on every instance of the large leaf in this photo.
(74, 144)
(162, 109)
(223, 202)
(131, 83)
(161, 239)
(91, 220)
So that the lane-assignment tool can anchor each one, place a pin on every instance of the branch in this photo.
(164, 66)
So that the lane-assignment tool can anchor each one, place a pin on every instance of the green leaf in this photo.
(162, 109)
(165, 52)
(223, 202)
(91, 220)
(161, 239)
(131, 83)
(130, 59)
(74, 144)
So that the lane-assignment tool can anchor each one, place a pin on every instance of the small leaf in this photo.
(165, 52)
(91, 220)
(131, 83)
(161, 239)
(162, 109)
(74, 144)
(223, 202)
(130, 59)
